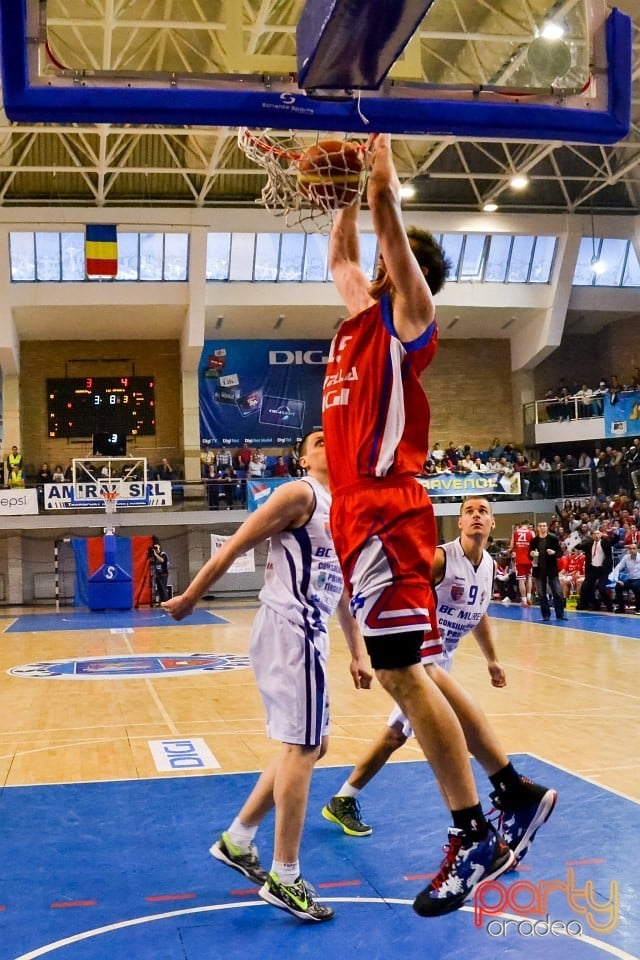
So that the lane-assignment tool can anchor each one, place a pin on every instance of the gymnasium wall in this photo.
(41, 359)
(590, 357)
(469, 385)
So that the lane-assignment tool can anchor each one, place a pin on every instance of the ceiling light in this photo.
(598, 266)
(519, 181)
(490, 207)
(552, 31)
(407, 191)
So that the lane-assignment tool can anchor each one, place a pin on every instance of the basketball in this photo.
(329, 174)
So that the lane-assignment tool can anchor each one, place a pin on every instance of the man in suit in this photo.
(598, 554)
(545, 551)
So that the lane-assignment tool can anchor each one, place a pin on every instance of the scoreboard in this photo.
(80, 407)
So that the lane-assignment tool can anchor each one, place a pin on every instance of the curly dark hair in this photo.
(429, 255)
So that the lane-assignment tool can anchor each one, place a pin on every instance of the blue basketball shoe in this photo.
(519, 821)
(465, 866)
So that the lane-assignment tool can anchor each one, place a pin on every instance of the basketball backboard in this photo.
(470, 69)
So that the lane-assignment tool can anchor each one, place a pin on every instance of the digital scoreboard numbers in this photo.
(81, 407)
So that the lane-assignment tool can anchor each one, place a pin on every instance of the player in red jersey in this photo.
(521, 537)
(376, 424)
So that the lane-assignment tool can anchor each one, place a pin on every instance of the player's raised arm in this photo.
(344, 260)
(288, 507)
(413, 309)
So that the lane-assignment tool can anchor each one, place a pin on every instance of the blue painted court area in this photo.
(104, 870)
(109, 620)
(627, 625)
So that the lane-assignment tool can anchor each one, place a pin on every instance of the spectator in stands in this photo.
(465, 463)
(44, 474)
(244, 457)
(15, 468)
(626, 576)
(598, 565)
(207, 459)
(223, 460)
(565, 405)
(522, 468)
(571, 573)
(295, 469)
(584, 396)
(164, 470)
(437, 453)
(257, 466)
(506, 584)
(280, 468)
(615, 388)
(496, 450)
(58, 474)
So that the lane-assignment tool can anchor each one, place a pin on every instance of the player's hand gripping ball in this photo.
(329, 174)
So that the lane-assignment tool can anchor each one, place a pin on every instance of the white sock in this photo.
(286, 873)
(241, 834)
(346, 790)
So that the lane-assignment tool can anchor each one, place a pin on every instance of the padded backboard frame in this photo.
(29, 98)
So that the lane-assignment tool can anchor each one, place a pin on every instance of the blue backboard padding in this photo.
(326, 53)
(176, 106)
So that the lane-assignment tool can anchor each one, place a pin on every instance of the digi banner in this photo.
(260, 392)
(622, 417)
(466, 484)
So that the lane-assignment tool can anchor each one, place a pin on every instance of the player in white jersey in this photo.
(288, 648)
(463, 580)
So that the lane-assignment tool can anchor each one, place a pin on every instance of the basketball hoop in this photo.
(109, 498)
(307, 183)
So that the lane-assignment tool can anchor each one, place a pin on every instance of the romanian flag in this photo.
(101, 250)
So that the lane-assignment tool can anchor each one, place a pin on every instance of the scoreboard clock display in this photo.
(80, 407)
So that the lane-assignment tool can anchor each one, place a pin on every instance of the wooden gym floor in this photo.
(121, 732)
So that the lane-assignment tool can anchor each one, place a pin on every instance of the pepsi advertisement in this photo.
(263, 393)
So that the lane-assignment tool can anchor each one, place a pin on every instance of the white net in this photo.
(307, 180)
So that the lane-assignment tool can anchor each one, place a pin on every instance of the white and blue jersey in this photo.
(289, 639)
(462, 597)
(303, 580)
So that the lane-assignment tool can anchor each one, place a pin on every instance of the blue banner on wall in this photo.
(261, 392)
(622, 417)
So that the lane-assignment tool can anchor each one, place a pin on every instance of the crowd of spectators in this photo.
(614, 469)
(578, 400)
(225, 473)
(613, 521)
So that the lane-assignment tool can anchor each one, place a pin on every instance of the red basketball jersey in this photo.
(522, 537)
(375, 411)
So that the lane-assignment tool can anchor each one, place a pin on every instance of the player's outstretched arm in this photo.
(360, 666)
(289, 506)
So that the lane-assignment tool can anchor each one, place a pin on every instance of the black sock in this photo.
(472, 821)
(506, 781)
